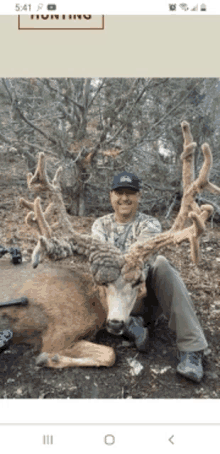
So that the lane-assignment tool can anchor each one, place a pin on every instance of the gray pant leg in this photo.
(176, 304)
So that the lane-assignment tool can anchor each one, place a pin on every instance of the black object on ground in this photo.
(5, 338)
(17, 302)
(16, 256)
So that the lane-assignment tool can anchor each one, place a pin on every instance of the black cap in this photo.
(126, 180)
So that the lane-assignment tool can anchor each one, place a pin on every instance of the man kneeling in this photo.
(166, 291)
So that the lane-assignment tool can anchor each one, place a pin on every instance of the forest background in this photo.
(96, 128)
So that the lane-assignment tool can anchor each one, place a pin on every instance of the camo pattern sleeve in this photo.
(101, 228)
(147, 227)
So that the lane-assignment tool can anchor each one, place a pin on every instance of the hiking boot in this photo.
(5, 338)
(136, 331)
(190, 365)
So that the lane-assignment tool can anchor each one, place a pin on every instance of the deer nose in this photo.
(115, 326)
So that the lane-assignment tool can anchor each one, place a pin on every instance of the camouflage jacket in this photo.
(142, 228)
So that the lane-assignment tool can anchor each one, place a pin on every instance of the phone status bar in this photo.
(139, 7)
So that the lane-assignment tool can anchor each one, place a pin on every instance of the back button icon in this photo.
(170, 439)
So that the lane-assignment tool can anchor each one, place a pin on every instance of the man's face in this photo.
(125, 202)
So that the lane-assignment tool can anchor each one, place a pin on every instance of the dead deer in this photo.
(65, 310)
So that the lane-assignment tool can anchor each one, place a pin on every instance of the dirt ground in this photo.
(134, 375)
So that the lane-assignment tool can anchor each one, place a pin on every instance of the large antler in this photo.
(105, 260)
(190, 212)
(39, 182)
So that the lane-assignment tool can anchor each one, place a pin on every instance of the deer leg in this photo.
(82, 354)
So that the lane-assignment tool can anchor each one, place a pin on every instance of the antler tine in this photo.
(187, 157)
(39, 181)
(26, 204)
(31, 222)
(31, 219)
(44, 227)
(203, 182)
(200, 184)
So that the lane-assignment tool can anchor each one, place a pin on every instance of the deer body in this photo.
(63, 309)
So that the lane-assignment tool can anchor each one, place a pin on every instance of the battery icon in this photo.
(51, 7)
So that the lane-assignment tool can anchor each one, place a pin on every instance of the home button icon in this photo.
(109, 439)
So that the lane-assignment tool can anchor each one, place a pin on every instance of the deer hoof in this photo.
(42, 359)
(55, 359)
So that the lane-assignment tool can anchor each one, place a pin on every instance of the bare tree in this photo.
(95, 128)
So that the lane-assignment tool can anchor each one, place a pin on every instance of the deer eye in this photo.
(139, 281)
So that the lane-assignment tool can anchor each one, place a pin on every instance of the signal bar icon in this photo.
(195, 8)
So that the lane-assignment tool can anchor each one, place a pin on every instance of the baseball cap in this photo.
(126, 180)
